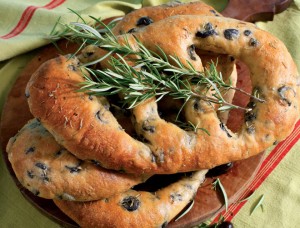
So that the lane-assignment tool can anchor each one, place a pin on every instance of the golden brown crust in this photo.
(135, 208)
(50, 171)
(137, 19)
(79, 122)
(274, 76)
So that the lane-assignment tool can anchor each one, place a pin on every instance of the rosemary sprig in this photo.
(153, 74)
(137, 85)
(217, 184)
(258, 204)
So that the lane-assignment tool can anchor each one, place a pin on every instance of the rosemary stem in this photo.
(216, 101)
(248, 94)
(168, 65)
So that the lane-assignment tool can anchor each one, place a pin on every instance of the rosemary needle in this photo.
(258, 204)
(217, 183)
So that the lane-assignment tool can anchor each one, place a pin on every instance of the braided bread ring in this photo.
(273, 75)
(135, 208)
(50, 171)
(37, 137)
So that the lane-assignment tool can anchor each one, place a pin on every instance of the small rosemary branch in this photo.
(258, 203)
(152, 75)
(217, 184)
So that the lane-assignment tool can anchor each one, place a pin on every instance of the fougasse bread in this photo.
(85, 128)
(90, 128)
(42, 186)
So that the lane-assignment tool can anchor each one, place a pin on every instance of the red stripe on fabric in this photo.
(257, 182)
(281, 149)
(26, 17)
(276, 154)
(268, 165)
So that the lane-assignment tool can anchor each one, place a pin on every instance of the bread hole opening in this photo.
(122, 114)
(169, 109)
(238, 76)
(157, 182)
(236, 116)
(160, 181)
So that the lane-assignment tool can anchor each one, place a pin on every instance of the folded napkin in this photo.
(24, 26)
